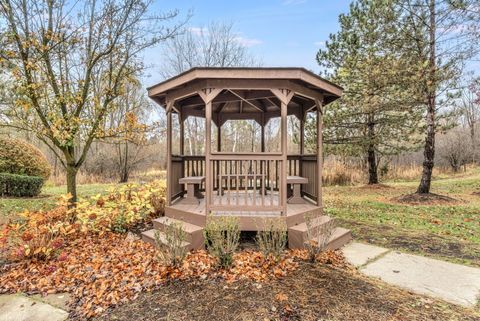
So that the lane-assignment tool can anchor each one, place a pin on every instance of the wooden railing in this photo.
(240, 177)
(304, 166)
(246, 182)
(177, 172)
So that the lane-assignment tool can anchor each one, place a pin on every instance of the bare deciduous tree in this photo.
(216, 45)
(68, 63)
(454, 147)
(469, 110)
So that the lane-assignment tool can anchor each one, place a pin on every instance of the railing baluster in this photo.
(246, 188)
(255, 186)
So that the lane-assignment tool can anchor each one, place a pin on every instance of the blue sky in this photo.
(279, 32)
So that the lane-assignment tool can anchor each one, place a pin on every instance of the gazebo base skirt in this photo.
(193, 219)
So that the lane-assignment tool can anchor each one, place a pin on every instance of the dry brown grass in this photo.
(354, 172)
(86, 178)
(336, 172)
(412, 171)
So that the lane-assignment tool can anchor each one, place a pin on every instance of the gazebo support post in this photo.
(182, 134)
(319, 153)
(208, 152)
(302, 133)
(284, 137)
(219, 137)
(303, 116)
(207, 95)
(169, 154)
(181, 120)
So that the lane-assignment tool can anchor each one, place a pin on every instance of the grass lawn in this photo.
(449, 231)
(321, 292)
(46, 200)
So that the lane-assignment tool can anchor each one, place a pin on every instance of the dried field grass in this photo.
(84, 178)
(344, 173)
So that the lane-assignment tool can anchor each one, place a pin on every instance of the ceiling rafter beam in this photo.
(246, 100)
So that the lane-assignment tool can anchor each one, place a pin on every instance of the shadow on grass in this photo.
(393, 237)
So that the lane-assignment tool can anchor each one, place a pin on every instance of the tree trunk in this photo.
(371, 157)
(372, 166)
(72, 183)
(472, 138)
(124, 167)
(429, 150)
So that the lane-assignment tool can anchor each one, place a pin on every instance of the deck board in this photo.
(292, 209)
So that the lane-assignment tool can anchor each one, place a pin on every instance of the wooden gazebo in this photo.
(250, 185)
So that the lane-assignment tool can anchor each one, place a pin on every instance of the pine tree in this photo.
(376, 115)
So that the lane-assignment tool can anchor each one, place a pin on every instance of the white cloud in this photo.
(293, 2)
(248, 42)
(319, 43)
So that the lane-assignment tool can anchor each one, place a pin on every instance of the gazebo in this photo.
(250, 185)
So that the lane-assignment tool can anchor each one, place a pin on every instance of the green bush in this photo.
(20, 185)
(272, 238)
(222, 235)
(19, 157)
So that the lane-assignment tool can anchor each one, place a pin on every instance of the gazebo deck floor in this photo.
(195, 213)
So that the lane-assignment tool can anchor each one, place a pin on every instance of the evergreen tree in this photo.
(376, 114)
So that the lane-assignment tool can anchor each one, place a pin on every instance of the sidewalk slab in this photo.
(58, 300)
(454, 283)
(21, 308)
(358, 254)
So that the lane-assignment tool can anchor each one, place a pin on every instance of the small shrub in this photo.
(157, 200)
(222, 236)
(40, 235)
(20, 185)
(123, 208)
(19, 157)
(272, 238)
(318, 236)
(171, 247)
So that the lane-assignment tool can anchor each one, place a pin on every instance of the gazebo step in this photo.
(339, 238)
(194, 233)
(297, 234)
(149, 236)
(185, 216)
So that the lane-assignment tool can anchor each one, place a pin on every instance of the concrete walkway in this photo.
(15, 307)
(453, 283)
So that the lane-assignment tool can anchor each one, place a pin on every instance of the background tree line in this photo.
(71, 82)
(402, 64)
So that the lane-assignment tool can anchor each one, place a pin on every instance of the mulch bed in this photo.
(101, 271)
(313, 292)
(426, 199)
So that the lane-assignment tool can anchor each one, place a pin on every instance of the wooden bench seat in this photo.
(193, 188)
(295, 194)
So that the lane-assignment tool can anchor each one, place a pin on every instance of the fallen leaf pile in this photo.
(103, 271)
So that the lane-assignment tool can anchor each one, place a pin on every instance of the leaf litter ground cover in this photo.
(101, 271)
(313, 292)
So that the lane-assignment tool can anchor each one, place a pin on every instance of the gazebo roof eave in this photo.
(258, 73)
